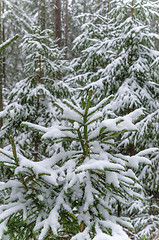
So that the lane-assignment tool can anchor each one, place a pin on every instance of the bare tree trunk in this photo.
(66, 28)
(3, 39)
(1, 68)
(42, 14)
(58, 21)
(52, 18)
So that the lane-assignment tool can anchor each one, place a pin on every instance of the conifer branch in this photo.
(7, 43)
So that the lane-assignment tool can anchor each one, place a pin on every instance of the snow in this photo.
(89, 186)
(2, 185)
(34, 126)
(54, 132)
(148, 151)
(99, 165)
(8, 41)
(117, 232)
(120, 123)
(112, 177)
(3, 228)
(10, 209)
(89, 199)
(39, 169)
(82, 235)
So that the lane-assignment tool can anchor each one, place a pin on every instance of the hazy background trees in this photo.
(65, 48)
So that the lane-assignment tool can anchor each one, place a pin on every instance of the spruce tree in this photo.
(118, 55)
(137, 57)
(117, 52)
(2, 48)
(74, 194)
(18, 18)
(31, 98)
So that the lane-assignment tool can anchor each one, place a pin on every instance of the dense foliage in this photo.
(80, 136)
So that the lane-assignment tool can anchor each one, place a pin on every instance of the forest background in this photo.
(79, 119)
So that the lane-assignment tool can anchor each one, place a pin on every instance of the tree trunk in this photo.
(42, 14)
(66, 28)
(58, 21)
(37, 137)
(42, 24)
(131, 145)
(3, 40)
(52, 18)
(1, 68)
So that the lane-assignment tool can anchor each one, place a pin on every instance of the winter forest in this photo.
(79, 119)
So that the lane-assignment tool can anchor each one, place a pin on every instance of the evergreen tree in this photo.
(31, 98)
(71, 194)
(84, 190)
(136, 54)
(2, 47)
(118, 55)
(138, 60)
(79, 14)
(18, 18)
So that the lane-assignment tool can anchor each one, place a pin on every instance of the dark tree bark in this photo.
(3, 40)
(58, 21)
(66, 28)
(1, 67)
(37, 137)
(52, 18)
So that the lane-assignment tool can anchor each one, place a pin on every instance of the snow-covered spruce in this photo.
(21, 14)
(136, 55)
(133, 68)
(71, 193)
(31, 98)
(118, 55)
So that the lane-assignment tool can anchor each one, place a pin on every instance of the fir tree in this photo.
(118, 55)
(18, 18)
(137, 58)
(31, 98)
(71, 194)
